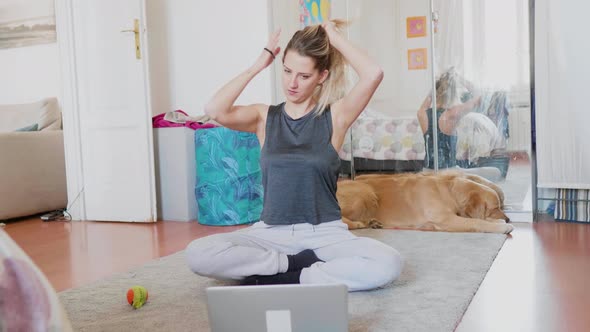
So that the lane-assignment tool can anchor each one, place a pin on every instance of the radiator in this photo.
(519, 121)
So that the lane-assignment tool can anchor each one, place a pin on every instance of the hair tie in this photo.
(271, 53)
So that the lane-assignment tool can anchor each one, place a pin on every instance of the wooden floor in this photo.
(537, 283)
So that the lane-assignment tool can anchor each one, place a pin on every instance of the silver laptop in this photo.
(278, 308)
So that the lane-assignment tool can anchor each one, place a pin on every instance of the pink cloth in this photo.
(159, 122)
(198, 125)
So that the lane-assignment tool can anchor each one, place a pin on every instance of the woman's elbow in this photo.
(377, 75)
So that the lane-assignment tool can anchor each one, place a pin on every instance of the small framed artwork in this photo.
(417, 58)
(26, 23)
(416, 26)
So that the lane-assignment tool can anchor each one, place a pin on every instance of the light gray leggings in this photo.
(261, 249)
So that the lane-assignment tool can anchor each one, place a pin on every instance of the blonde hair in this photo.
(448, 89)
(313, 42)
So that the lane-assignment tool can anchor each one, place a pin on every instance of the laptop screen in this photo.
(274, 308)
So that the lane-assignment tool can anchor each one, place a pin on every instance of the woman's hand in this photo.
(265, 58)
(330, 28)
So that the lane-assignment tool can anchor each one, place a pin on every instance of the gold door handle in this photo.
(136, 32)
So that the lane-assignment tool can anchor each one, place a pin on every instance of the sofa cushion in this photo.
(45, 113)
(32, 174)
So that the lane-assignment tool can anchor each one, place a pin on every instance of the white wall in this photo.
(413, 85)
(29, 73)
(197, 46)
(374, 28)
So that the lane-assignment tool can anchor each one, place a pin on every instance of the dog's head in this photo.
(484, 205)
(497, 213)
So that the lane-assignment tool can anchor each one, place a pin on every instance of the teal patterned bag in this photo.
(229, 182)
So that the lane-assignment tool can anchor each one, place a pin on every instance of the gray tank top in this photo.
(299, 169)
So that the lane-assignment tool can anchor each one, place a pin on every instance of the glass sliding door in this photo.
(483, 94)
(479, 78)
(387, 137)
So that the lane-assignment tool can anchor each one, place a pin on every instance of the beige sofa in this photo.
(32, 163)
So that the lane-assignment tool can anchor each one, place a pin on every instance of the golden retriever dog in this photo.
(448, 201)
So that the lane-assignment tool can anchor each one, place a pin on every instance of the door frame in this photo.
(64, 22)
(70, 105)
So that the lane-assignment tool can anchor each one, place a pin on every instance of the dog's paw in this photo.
(374, 223)
(356, 225)
(508, 228)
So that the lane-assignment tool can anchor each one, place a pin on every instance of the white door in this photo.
(114, 110)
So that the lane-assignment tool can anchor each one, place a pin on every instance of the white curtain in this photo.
(486, 41)
(448, 40)
(561, 77)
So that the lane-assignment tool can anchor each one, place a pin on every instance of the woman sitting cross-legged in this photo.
(301, 237)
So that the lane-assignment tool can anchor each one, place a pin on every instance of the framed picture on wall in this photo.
(313, 12)
(417, 58)
(416, 26)
(26, 23)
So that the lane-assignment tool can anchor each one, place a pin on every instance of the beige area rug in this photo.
(442, 273)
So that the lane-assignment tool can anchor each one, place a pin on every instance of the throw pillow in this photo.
(33, 127)
(29, 302)
(50, 115)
